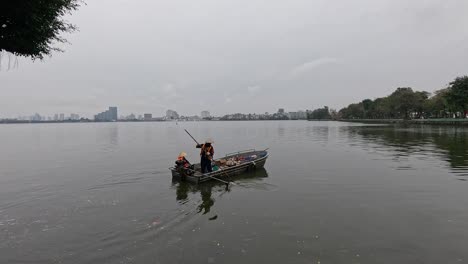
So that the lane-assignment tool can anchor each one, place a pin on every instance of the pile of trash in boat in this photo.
(233, 161)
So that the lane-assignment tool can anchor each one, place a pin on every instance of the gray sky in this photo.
(240, 56)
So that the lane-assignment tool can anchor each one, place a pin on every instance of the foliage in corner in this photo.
(30, 28)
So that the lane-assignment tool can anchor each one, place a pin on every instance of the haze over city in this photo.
(240, 56)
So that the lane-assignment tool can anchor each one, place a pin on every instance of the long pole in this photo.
(192, 137)
(225, 182)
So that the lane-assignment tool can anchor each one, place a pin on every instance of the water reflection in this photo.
(448, 143)
(320, 133)
(456, 147)
(208, 189)
(207, 200)
(108, 134)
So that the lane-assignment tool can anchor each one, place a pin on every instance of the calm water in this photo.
(330, 193)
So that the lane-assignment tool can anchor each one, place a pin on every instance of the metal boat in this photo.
(223, 169)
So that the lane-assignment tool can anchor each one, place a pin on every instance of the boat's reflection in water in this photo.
(208, 189)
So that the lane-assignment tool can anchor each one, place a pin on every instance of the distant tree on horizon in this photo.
(406, 103)
(457, 94)
(319, 114)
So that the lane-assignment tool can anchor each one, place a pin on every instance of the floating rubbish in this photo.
(213, 217)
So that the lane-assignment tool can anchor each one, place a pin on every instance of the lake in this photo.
(330, 193)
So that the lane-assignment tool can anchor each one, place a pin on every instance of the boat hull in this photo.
(225, 173)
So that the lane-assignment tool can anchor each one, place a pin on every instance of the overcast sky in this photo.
(147, 56)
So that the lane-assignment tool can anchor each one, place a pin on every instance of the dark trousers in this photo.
(205, 165)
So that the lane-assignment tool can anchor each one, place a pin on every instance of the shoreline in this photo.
(6, 122)
(434, 122)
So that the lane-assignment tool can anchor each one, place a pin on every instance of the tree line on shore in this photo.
(405, 103)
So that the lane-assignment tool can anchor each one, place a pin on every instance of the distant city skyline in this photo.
(113, 114)
(73, 116)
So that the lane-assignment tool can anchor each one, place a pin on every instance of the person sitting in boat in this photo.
(182, 163)
(206, 155)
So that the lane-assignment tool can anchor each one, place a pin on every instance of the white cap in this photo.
(209, 140)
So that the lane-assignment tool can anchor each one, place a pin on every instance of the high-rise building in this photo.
(56, 117)
(281, 111)
(113, 113)
(109, 115)
(62, 117)
(205, 114)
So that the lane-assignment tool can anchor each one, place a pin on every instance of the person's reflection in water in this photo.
(207, 201)
(206, 190)
(182, 191)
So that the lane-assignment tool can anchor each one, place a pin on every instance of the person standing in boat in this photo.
(206, 155)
